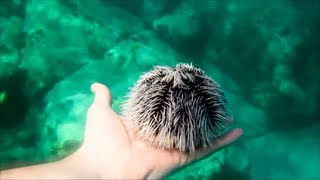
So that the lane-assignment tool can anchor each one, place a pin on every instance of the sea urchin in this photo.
(176, 108)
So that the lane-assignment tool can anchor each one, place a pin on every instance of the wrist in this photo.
(78, 167)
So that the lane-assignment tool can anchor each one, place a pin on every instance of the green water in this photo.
(264, 54)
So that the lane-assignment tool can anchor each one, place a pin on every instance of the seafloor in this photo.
(263, 54)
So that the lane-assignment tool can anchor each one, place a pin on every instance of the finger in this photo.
(227, 138)
(102, 95)
(101, 106)
(102, 121)
(220, 142)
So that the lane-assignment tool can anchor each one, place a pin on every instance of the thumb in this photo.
(100, 115)
(102, 121)
(100, 108)
(102, 95)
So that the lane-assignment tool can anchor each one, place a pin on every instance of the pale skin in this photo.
(109, 151)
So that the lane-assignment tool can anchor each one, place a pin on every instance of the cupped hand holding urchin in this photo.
(129, 147)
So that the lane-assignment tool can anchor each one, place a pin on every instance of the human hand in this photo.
(110, 151)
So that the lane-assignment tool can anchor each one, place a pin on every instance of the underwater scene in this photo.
(263, 54)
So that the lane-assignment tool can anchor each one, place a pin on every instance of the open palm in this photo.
(113, 152)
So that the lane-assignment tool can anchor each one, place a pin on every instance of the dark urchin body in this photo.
(176, 108)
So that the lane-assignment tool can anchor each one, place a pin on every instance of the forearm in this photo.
(68, 168)
(41, 171)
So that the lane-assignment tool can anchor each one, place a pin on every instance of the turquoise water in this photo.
(264, 54)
